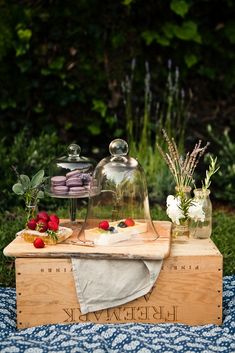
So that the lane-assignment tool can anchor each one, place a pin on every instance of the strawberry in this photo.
(129, 222)
(38, 243)
(54, 218)
(104, 225)
(41, 226)
(43, 216)
(32, 223)
(53, 226)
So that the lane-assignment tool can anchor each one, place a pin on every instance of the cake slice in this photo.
(30, 235)
(115, 233)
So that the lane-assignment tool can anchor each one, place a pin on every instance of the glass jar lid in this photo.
(70, 176)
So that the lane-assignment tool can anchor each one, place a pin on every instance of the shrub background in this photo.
(57, 59)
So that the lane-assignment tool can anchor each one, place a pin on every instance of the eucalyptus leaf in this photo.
(37, 179)
(40, 194)
(18, 189)
(25, 181)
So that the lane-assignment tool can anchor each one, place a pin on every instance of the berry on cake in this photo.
(45, 227)
(108, 233)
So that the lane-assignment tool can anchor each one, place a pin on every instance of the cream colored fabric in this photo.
(102, 284)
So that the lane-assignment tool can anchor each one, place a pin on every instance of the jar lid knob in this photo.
(74, 150)
(118, 147)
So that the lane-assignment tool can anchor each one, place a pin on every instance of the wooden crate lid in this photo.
(159, 249)
(151, 250)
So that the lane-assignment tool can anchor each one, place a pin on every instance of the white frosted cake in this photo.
(116, 234)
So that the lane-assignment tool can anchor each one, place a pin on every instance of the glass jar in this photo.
(31, 208)
(181, 232)
(202, 229)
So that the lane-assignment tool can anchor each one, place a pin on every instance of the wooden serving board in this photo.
(149, 250)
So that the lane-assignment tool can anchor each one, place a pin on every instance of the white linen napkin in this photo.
(102, 284)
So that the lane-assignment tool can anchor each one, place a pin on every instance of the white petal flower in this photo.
(196, 212)
(173, 209)
(170, 199)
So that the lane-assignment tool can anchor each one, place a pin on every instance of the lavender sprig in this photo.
(181, 169)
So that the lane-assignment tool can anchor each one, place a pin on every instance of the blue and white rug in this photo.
(119, 338)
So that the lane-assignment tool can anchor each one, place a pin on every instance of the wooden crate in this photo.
(188, 290)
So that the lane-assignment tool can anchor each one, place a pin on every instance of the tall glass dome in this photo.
(118, 206)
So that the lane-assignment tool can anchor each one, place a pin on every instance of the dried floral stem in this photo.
(181, 169)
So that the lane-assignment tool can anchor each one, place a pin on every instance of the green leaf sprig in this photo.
(213, 168)
(32, 190)
(52, 234)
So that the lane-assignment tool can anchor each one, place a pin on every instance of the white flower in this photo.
(175, 213)
(196, 212)
(173, 209)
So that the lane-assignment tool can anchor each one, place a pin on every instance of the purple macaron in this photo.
(58, 180)
(77, 191)
(60, 190)
(74, 182)
(73, 173)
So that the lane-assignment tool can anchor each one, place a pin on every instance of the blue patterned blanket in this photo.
(119, 338)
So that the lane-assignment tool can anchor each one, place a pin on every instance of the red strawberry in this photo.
(38, 243)
(41, 226)
(104, 225)
(53, 226)
(129, 222)
(32, 223)
(43, 215)
(54, 218)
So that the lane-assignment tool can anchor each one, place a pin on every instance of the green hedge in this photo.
(58, 58)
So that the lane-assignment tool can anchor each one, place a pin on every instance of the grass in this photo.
(223, 236)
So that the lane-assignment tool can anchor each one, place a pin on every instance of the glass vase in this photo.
(31, 208)
(202, 229)
(180, 232)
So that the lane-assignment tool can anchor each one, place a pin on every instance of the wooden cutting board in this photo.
(148, 250)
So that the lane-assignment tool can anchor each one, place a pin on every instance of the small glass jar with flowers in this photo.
(202, 228)
(181, 208)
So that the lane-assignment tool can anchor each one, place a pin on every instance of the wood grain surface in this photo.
(149, 250)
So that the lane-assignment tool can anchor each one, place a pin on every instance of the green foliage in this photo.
(224, 180)
(180, 7)
(10, 224)
(57, 61)
(101, 108)
(28, 154)
(213, 168)
(31, 190)
(145, 131)
(223, 236)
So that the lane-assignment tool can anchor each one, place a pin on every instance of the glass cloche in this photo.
(70, 177)
(118, 207)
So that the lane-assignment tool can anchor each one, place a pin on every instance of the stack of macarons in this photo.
(75, 183)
